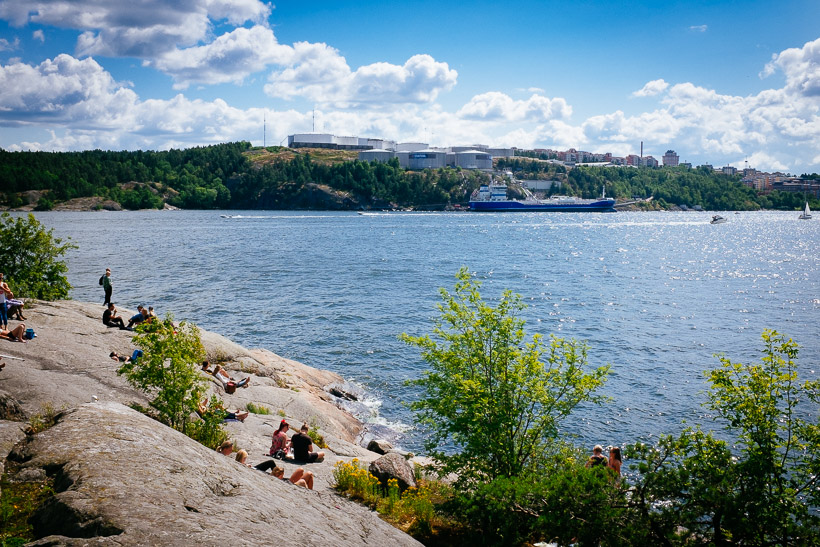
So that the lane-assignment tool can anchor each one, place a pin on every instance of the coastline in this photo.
(67, 365)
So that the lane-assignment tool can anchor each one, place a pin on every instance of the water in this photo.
(655, 295)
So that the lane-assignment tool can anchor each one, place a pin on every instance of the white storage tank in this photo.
(474, 159)
(427, 159)
(376, 155)
(317, 140)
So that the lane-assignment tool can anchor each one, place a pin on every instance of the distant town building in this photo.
(729, 170)
(649, 161)
(670, 159)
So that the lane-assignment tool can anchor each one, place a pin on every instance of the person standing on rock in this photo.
(108, 286)
(303, 447)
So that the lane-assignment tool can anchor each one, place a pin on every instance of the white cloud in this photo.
(140, 29)
(651, 89)
(229, 58)
(699, 28)
(321, 75)
(801, 66)
(62, 90)
(5, 45)
(496, 106)
(38, 35)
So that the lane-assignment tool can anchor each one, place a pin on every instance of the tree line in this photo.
(223, 177)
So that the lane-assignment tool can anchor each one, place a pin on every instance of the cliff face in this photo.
(122, 478)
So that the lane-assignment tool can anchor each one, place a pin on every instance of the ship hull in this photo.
(597, 206)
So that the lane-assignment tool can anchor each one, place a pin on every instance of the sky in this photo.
(720, 82)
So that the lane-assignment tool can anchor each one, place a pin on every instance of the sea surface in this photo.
(654, 295)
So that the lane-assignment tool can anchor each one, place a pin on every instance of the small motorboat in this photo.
(717, 219)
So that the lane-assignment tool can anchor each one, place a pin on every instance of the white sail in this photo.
(806, 212)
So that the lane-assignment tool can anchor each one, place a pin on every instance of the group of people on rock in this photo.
(9, 307)
(613, 462)
(299, 477)
(110, 317)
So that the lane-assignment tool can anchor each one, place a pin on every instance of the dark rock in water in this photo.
(379, 446)
(345, 391)
(394, 466)
(372, 432)
(10, 409)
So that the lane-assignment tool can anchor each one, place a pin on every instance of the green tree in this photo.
(495, 398)
(698, 489)
(168, 368)
(31, 258)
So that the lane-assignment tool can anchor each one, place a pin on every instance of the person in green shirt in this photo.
(108, 285)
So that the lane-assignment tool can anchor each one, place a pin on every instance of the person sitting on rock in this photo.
(14, 307)
(226, 448)
(280, 443)
(15, 334)
(151, 315)
(138, 318)
(222, 375)
(110, 318)
(302, 447)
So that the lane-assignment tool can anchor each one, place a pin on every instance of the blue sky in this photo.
(719, 82)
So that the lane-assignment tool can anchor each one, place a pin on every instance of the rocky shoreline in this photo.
(126, 479)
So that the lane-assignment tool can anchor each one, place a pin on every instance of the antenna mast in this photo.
(264, 131)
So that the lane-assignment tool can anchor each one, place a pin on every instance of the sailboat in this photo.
(806, 214)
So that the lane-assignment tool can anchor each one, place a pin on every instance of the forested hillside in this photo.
(234, 176)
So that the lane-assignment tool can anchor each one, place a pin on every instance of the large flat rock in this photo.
(123, 479)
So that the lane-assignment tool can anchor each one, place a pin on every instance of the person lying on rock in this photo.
(280, 443)
(15, 334)
(203, 409)
(119, 358)
(299, 477)
(302, 447)
(110, 318)
(222, 375)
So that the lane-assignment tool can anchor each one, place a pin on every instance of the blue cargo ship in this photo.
(493, 197)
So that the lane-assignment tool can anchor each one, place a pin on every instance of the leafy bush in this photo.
(168, 368)
(495, 397)
(698, 489)
(31, 258)
(209, 431)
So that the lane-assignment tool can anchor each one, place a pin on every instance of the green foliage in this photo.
(208, 431)
(31, 258)
(315, 436)
(413, 511)
(168, 368)
(44, 204)
(44, 419)
(18, 501)
(697, 489)
(257, 409)
(495, 397)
